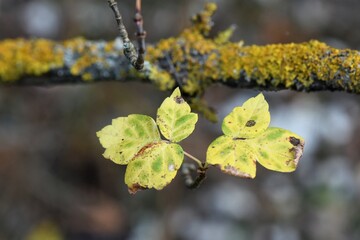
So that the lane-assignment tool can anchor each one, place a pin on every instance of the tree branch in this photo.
(136, 58)
(192, 60)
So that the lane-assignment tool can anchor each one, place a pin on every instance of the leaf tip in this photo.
(260, 95)
(176, 92)
(98, 134)
(134, 188)
(176, 96)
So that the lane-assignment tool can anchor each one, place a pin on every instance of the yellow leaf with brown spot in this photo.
(155, 166)
(249, 120)
(126, 136)
(175, 119)
(278, 149)
(234, 157)
(248, 139)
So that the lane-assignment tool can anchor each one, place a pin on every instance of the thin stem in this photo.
(188, 169)
(193, 158)
(138, 6)
(141, 35)
(136, 58)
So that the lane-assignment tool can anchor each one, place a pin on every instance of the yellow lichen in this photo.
(82, 63)
(161, 78)
(202, 21)
(87, 77)
(285, 64)
(224, 36)
(21, 57)
(205, 60)
(194, 59)
(89, 55)
(76, 44)
(109, 47)
(157, 52)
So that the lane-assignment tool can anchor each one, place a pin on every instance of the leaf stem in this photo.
(188, 168)
(194, 158)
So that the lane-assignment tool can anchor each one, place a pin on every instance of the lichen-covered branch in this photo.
(192, 60)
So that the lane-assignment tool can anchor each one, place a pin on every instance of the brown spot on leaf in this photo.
(143, 149)
(179, 100)
(236, 138)
(298, 150)
(236, 172)
(250, 123)
(294, 141)
(135, 188)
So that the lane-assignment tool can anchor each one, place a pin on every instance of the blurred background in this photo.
(55, 184)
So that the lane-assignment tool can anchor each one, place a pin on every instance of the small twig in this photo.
(172, 70)
(136, 58)
(140, 34)
(187, 169)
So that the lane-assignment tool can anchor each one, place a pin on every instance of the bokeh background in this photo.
(55, 184)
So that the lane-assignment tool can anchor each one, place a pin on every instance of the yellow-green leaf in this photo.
(235, 157)
(248, 139)
(278, 149)
(174, 118)
(155, 166)
(249, 120)
(126, 136)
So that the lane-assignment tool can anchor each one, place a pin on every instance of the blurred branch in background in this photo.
(193, 60)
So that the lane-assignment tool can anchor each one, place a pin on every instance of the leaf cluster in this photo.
(135, 141)
(153, 162)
